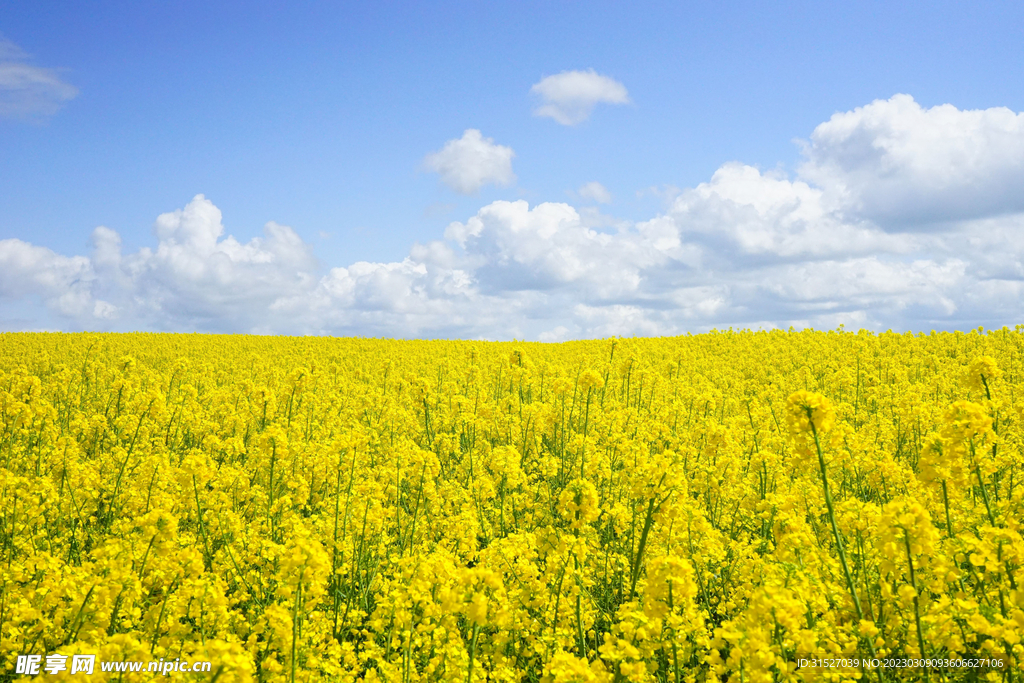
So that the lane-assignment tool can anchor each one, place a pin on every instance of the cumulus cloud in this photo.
(63, 283)
(570, 97)
(596, 192)
(746, 248)
(194, 279)
(744, 214)
(512, 247)
(899, 164)
(28, 91)
(472, 161)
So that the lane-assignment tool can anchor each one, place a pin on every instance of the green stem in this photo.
(582, 644)
(945, 502)
(675, 648)
(832, 519)
(917, 606)
(835, 533)
(648, 522)
(472, 653)
(295, 622)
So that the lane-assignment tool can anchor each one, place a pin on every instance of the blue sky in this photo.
(323, 119)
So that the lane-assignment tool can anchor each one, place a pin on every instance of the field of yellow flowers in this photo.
(730, 506)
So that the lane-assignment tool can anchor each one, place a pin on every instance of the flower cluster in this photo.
(715, 507)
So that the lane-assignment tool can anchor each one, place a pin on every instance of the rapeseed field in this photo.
(771, 506)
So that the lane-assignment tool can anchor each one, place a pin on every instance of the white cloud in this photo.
(871, 282)
(744, 249)
(595, 191)
(513, 248)
(28, 91)
(742, 213)
(64, 284)
(618, 320)
(900, 164)
(560, 333)
(472, 161)
(570, 97)
(195, 277)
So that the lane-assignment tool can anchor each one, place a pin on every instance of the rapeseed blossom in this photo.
(719, 507)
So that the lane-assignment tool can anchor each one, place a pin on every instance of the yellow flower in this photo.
(804, 409)
(982, 374)
(324, 509)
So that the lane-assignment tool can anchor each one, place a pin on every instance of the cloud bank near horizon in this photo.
(899, 217)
